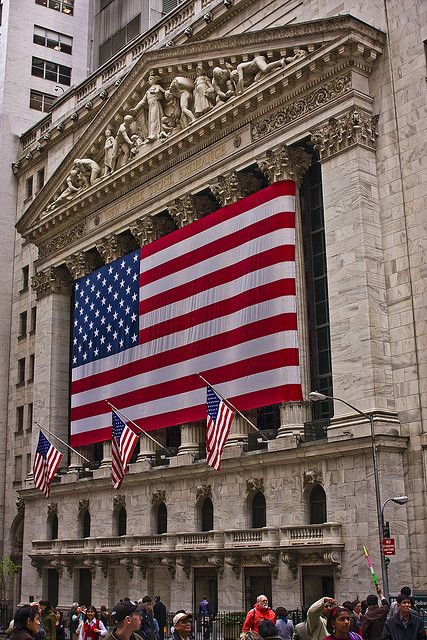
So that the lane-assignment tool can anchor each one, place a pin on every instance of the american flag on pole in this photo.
(215, 297)
(218, 424)
(122, 446)
(46, 462)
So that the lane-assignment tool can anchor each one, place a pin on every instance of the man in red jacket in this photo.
(261, 611)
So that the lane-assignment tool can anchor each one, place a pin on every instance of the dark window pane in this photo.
(121, 522)
(317, 505)
(207, 515)
(318, 241)
(162, 518)
(324, 362)
(86, 525)
(38, 39)
(259, 517)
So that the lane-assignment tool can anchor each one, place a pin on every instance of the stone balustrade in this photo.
(328, 534)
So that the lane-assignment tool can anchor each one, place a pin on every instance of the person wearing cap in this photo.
(126, 619)
(181, 626)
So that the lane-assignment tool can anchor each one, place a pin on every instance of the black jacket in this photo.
(373, 623)
(394, 629)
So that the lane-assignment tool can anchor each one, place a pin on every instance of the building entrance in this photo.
(205, 584)
(257, 582)
(317, 582)
(85, 587)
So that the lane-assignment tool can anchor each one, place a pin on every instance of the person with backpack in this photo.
(261, 611)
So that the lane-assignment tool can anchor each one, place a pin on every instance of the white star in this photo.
(104, 300)
(104, 282)
(126, 330)
(77, 286)
(81, 311)
(121, 302)
(116, 295)
(89, 344)
(75, 323)
(86, 299)
(110, 288)
(128, 271)
(98, 293)
(108, 328)
(121, 343)
(134, 277)
(128, 290)
(115, 314)
(91, 325)
(116, 277)
(134, 297)
(123, 264)
(134, 338)
(98, 276)
(96, 351)
(85, 337)
(135, 257)
(122, 283)
(80, 329)
(87, 282)
(110, 270)
(121, 322)
(97, 313)
(75, 341)
(109, 347)
(82, 293)
(96, 332)
(102, 339)
(133, 317)
(127, 310)
(109, 308)
(92, 306)
(102, 320)
(92, 288)
(115, 335)
(86, 318)
(80, 348)
(74, 360)
(85, 356)
(77, 304)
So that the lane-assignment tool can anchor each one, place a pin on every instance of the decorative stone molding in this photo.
(234, 561)
(295, 109)
(311, 478)
(83, 505)
(141, 565)
(271, 560)
(203, 491)
(185, 563)
(79, 264)
(20, 505)
(127, 563)
(158, 497)
(52, 509)
(102, 564)
(356, 127)
(51, 280)
(334, 557)
(254, 485)
(150, 228)
(38, 563)
(189, 208)
(66, 239)
(170, 564)
(291, 560)
(217, 561)
(119, 501)
(234, 186)
(284, 163)
(112, 247)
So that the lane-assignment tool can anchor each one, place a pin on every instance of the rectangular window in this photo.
(29, 188)
(119, 39)
(18, 468)
(64, 6)
(31, 368)
(19, 419)
(33, 319)
(52, 40)
(41, 101)
(21, 371)
(25, 274)
(51, 71)
(40, 178)
(22, 324)
(30, 413)
(28, 464)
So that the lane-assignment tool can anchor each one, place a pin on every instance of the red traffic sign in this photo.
(389, 547)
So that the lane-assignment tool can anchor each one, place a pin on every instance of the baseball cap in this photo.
(181, 616)
(123, 609)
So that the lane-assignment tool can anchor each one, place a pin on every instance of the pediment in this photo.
(178, 98)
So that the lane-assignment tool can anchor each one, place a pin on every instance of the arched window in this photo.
(317, 504)
(259, 517)
(162, 518)
(86, 525)
(53, 526)
(207, 513)
(121, 521)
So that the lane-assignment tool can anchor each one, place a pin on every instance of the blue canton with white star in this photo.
(106, 313)
(213, 403)
(43, 445)
(118, 426)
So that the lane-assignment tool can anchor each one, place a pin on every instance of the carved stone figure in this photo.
(171, 119)
(152, 101)
(183, 88)
(223, 84)
(74, 184)
(88, 169)
(253, 70)
(108, 151)
(123, 143)
(204, 93)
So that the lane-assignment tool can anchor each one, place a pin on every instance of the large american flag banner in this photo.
(216, 297)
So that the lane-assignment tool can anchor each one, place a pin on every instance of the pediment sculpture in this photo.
(168, 106)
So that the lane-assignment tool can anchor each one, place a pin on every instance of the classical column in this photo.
(360, 342)
(106, 454)
(190, 437)
(113, 247)
(240, 428)
(233, 186)
(52, 345)
(288, 163)
(149, 228)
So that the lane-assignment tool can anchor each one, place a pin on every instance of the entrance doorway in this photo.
(205, 584)
(257, 582)
(317, 582)
(52, 586)
(85, 587)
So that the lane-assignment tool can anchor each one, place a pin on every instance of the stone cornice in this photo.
(355, 127)
(348, 45)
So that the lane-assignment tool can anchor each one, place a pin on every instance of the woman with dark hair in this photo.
(338, 625)
(26, 623)
(92, 628)
(48, 619)
(60, 626)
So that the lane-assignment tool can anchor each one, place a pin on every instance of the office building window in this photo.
(19, 419)
(53, 40)
(40, 178)
(30, 413)
(21, 371)
(33, 319)
(119, 39)
(31, 368)
(51, 71)
(64, 6)
(29, 188)
(169, 5)
(25, 277)
(41, 101)
(22, 324)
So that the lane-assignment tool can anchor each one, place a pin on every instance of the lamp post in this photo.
(315, 396)
(398, 500)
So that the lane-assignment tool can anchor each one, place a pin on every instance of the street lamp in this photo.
(398, 500)
(315, 396)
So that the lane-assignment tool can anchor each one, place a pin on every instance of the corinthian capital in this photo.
(79, 264)
(284, 163)
(112, 247)
(51, 280)
(233, 186)
(149, 228)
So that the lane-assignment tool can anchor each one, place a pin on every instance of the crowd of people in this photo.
(147, 620)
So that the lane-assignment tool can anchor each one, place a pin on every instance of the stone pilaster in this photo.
(52, 344)
(233, 186)
(360, 341)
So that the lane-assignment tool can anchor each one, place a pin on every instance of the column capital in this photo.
(79, 264)
(189, 208)
(51, 280)
(112, 247)
(233, 186)
(355, 127)
(284, 163)
(149, 228)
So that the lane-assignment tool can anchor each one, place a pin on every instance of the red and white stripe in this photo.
(44, 469)
(216, 297)
(217, 434)
(121, 454)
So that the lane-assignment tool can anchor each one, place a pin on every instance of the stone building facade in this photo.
(293, 92)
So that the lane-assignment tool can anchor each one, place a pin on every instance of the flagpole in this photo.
(64, 443)
(229, 403)
(162, 446)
